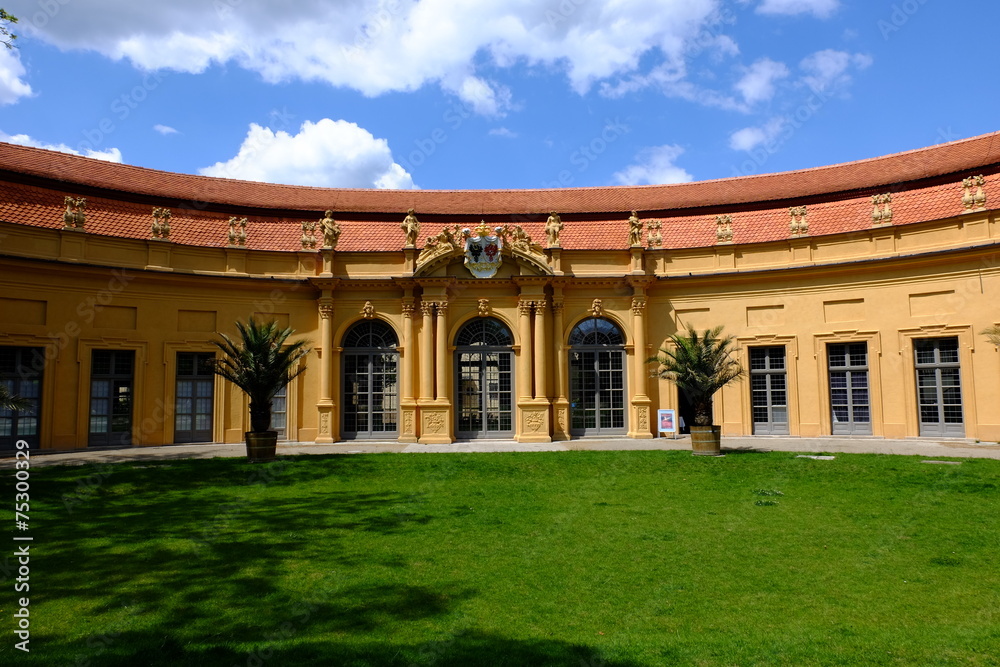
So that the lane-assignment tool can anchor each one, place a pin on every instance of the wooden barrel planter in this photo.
(706, 440)
(261, 447)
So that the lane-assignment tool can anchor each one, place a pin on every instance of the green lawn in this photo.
(583, 559)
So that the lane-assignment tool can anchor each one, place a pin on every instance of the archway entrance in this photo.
(370, 381)
(484, 382)
(597, 378)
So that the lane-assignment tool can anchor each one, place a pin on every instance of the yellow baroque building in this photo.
(858, 293)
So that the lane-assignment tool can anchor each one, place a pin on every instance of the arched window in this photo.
(597, 378)
(371, 334)
(596, 331)
(484, 380)
(484, 331)
(370, 381)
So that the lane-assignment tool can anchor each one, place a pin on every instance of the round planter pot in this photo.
(706, 440)
(261, 446)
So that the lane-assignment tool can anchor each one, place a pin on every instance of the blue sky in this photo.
(441, 94)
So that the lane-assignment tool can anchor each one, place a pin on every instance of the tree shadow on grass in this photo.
(462, 649)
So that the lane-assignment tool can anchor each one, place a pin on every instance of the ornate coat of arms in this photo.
(482, 252)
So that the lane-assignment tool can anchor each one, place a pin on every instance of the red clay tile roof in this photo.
(925, 185)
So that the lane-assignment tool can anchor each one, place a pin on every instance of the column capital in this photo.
(638, 305)
(325, 307)
(442, 307)
(524, 306)
(408, 308)
(427, 308)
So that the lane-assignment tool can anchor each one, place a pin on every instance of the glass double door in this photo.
(597, 392)
(485, 394)
(20, 373)
(939, 388)
(371, 395)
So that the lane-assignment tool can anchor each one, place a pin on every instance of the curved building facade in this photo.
(857, 293)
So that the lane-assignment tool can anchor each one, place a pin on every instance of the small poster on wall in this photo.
(667, 420)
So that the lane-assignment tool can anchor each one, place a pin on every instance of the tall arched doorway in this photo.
(484, 367)
(370, 381)
(597, 378)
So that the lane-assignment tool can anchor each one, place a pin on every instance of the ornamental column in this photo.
(325, 407)
(407, 405)
(532, 403)
(560, 430)
(426, 351)
(441, 352)
(435, 415)
(640, 423)
(542, 360)
(524, 390)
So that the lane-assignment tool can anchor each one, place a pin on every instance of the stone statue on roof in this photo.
(331, 230)
(411, 226)
(553, 226)
(634, 230)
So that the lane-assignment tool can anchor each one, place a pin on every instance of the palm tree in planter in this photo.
(9, 401)
(700, 364)
(260, 364)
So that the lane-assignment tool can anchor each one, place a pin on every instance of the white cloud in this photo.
(828, 71)
(12, 85)
(109, 155)
(378, 46)
(750, 137)
(819, 8)
(503, 132)
(653, 166)
(326, 153)
(758, 83)
(164, 129)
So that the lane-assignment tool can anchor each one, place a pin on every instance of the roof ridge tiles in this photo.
(873, 172)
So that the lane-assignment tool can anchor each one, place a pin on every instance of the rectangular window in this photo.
(939, 388)
(279, 413)
(111, 392)
(850, 402)
(193, 402)
(21, 373)
(769, 390)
